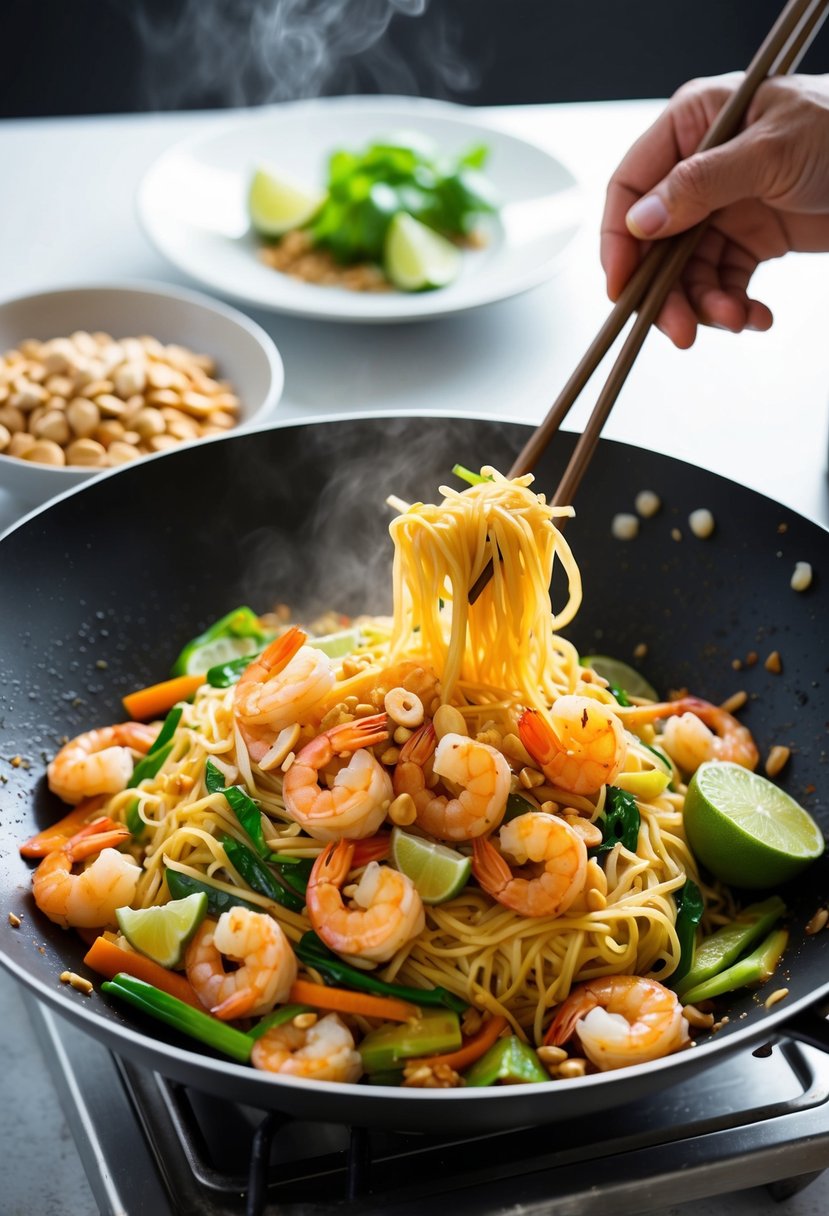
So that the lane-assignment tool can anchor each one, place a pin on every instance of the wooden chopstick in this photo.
(646, 290)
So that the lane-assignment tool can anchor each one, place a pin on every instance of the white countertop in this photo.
(754, 408)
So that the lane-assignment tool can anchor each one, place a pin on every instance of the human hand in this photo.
(766, 191)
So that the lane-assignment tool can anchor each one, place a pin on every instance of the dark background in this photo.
(100, 56)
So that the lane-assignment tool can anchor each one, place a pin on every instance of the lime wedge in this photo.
(747, 831)
(416, 257)
(162, 933)
(337, 645)
(221, 650)
(621, 675)
(276, 205)
(438, 872)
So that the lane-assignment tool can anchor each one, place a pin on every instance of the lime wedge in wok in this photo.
(416, 257)
(438, 872)
(620, 675)
(163, 933)
(277, 205)
(747, 831)
(337, 645)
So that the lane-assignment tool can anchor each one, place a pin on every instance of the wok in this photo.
(101, 588)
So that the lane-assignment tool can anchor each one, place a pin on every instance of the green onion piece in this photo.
(133, 820)
(755, 968)
(181, 885)
(295, 873)
(315, 953)
(182, 1017)
(213, 778)
(258, 876)
(225, 674)
(689, 909)
(619, 823)
(619, 693)
(474, 479)
(150, 764)
(249, 816)
(719, 950)
(277, 1018)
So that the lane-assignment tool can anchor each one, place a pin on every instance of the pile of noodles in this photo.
(492, 658)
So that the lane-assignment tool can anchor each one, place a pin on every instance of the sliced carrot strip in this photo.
(154, 701)
(471, 1049)
(303, 992)
(55, 837)
(108, 959)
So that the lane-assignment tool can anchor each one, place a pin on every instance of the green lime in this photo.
(438, 872)
(337, 645)
(162, 933)
(620, 675)
(416, 257)
(746, 830)
(276, 205)
(198, 659)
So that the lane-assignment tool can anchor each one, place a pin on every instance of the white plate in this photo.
(192, 205)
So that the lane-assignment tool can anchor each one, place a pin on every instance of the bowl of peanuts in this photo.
(93, 378)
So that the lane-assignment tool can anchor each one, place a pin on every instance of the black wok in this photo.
(125, 570)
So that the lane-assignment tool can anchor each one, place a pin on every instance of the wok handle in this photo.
(809, 1026)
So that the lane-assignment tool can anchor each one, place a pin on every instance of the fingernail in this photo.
(647, 217)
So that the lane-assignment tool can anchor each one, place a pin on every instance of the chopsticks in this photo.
(646, 290)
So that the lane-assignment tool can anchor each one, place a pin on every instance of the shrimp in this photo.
(87, 900)
(267, 968)
(621, 1020)
(98, 761)
(279, 688)
(323, 1052)
(580, 748)
(387, 911)
(360, 794)
(479, 769)
(553, 858)
(687, 737)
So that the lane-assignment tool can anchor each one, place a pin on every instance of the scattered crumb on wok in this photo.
(15, 921)
(774, 663)
(801, 580)
(777, 759)
(77, 982)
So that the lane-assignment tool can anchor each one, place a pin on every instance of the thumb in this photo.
(696, 187)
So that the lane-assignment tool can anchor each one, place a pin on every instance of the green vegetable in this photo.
(240, 801)
(620, 822)
(259, 876)
(180, 885)
(316, 954)
(509, 1061)
(389, 1076)
(293, 872)
(517, 805)
(182, 1017)
(242, 623)
(366, 190)
(436, 1031)
(213, 778)
(148, 766)
(277, 1018)
(225, 674)
(719, 950)
(689, 909)
(755, 968)
(465, 474)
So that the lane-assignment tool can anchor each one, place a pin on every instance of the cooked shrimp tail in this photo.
(687, 737)
(267, 964)
(98, 761)
(89, 899)
(580, 747)
(551, 865)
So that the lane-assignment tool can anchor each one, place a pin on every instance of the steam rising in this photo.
(245, 52)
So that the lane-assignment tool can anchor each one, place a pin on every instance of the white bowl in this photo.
(244, 354)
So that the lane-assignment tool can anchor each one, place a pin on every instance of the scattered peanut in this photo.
(701, 523)
(778, 995)
(736, 701)
(647, 503)
(774, 663)
(801, 580)
(624, 526)
(402, 810)
(53, 395)
(573, 1067)
(77, 982)
(777, 759)
(818, 921)
(449, 721)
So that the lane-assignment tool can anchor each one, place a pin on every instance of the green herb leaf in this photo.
(259, 876)
(689, 909)
(181, 885)
(620, 822)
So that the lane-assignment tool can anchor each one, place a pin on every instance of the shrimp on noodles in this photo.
(322, 1052)
(98, 761)
(279, 688)
(267, 969)
(687, 738)
(482, 773)
(580, 747)
(621, 1020)
(387, 911)
(553, 861)
(87, 900)
(360, 793)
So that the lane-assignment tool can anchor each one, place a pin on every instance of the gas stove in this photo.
(748, 1122)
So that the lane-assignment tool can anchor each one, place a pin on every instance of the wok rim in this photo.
(156, 1052)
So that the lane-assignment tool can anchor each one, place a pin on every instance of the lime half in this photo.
(416, 257)
(621, 675)
(337, 645)
(277, 205)
(747, 831)
(162, 933)
(438, 872)
(201, 658)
